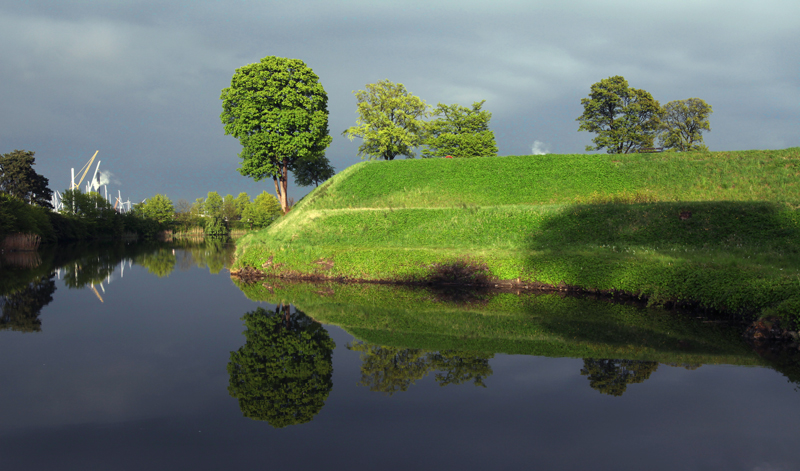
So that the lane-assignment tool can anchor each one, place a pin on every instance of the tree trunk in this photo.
(281, 185)
(278, 193)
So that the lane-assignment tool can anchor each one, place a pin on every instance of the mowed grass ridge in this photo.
(719, 229)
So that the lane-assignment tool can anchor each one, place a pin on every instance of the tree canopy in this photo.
(19, 179)
(279, 112)
(283, 372)
(683, 123)
(158, 208)
(389, 121)
(460, 132)
(625, 119)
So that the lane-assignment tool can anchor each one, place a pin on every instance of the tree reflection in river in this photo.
(159, 262)
(20, 309)
(393, 369)
(283, 373)
(612, 377)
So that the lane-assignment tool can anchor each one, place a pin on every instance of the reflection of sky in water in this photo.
(140, 382)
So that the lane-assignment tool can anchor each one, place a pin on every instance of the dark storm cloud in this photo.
(140, 80)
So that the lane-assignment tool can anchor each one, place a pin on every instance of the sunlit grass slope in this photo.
(720, 229)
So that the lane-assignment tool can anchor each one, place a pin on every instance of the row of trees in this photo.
(391, 123)
(215, 214)
(627, 119)
(278, 110)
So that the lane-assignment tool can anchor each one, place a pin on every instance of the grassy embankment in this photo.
(597, 222)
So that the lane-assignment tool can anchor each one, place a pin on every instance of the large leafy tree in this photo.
(389, 121)
(279, 112)
(683, 123)
(612, 377)
(283, 372)
(459, 131)
(18, 178)
(625, 119)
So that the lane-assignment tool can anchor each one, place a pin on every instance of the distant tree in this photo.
(183, 213)
(279, 112)
(90, 205)
(198, 208)
(612, 377)
(242, 201)
(262, 211)
(18, 178)
(312, 172)
(625, 119)
(212, 206)
(389, 121)
(229, 212)
(460, 132)
(683, 123)
(159, 208)
(283, 372)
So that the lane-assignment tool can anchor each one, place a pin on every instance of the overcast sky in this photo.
(140, 80)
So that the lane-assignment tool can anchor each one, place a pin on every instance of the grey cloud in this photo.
(141, 79)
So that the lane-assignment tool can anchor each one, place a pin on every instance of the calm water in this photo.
(135, 361)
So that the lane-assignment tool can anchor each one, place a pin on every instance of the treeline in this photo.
(25, 208)
(213, 215)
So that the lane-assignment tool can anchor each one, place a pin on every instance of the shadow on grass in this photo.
(738, 257)
(690, 225)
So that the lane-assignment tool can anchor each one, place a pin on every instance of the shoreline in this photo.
(770, 330)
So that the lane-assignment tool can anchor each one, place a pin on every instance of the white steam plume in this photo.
(540, 148)
(105, 177)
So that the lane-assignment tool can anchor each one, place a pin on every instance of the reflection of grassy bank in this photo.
(718, 229)
(531, 324)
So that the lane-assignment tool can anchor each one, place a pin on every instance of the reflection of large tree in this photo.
(282, 374)
(612, 377)
(20, 309)
(392, 369)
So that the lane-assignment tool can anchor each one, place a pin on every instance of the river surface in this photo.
(150, 357)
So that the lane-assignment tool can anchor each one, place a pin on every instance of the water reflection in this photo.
(612, 377)
(392, 369)
(406, 333)
(27, 278)
(283, 372)
(21, 308)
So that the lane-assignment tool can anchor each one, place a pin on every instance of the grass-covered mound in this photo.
(719, 229)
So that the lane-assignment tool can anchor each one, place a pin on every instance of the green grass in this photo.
(598, 222)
